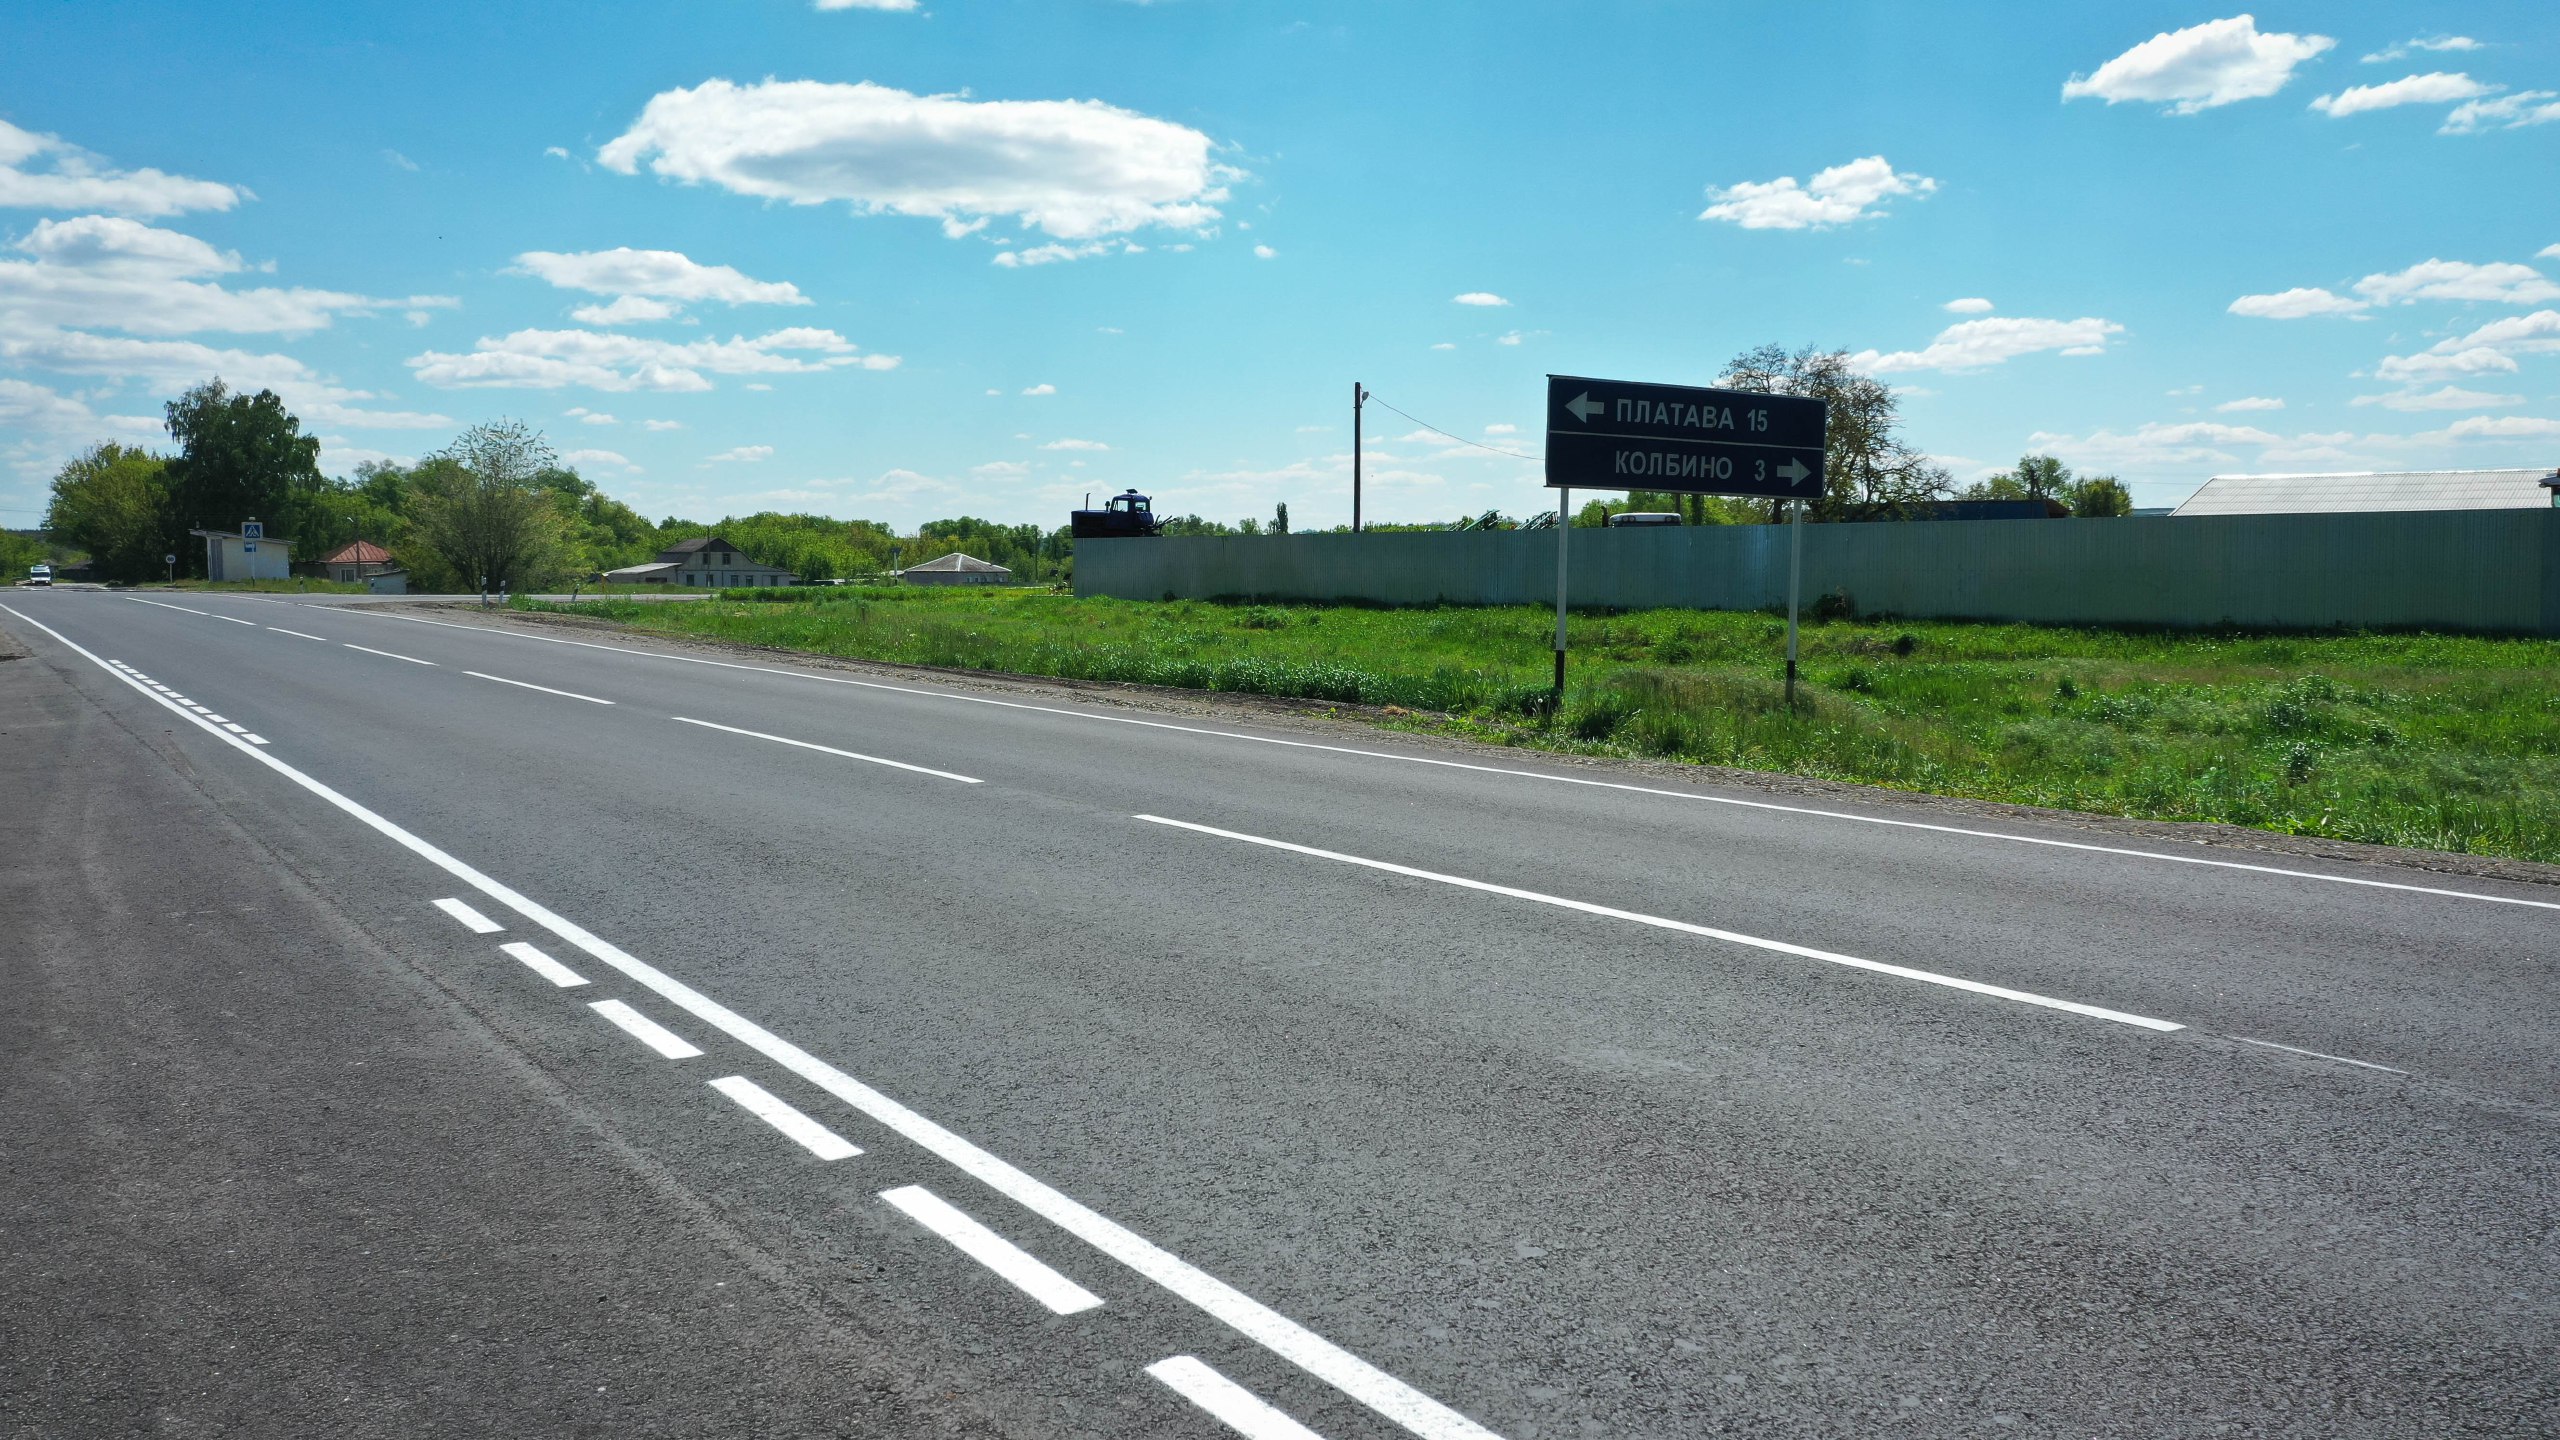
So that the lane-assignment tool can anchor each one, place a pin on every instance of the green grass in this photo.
(2445, 742)
(297, 585)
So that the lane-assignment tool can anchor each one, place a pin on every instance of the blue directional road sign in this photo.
(1625, 435)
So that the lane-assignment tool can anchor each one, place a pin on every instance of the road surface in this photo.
(422, 1027)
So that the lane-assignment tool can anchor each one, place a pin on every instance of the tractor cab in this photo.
(1125, 514)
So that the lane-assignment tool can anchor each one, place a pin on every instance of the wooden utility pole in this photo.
(1359, 397)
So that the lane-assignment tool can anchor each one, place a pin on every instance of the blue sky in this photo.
(978, 257)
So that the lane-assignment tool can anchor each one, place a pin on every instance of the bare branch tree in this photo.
(1868, 472)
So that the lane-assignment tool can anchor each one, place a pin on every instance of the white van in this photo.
(40, 575)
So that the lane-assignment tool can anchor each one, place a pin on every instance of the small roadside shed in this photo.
(245, 554)
(956, 569)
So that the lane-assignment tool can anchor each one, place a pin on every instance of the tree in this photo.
(2100, 497)
(113, 502)
(1280, 518)
(480, 506)
(1868, 471)
(239, 456)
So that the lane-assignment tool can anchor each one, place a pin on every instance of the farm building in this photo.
(2366, 491)
(956, 569)
(704, 560)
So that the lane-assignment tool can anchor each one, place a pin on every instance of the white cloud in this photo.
(664, 274)
(628, 310)
(556, 152)
(1971, 305)
(601, 360)
(2438, 44)
(1502, 429)
(1508, 338)
(1973, 344)
(2200, 67)
(661, 424)
(2155, 444)
(395, 158)
(1478, 297)
(109, 271)
(2489, 349)
(175, 364)
(902, 6)
(1043, 388)
(2451, 364)
(585, 416)
(2451, 397)
(2252, 402)
(2506, 284)
(2501, 283)
(338, 456)
(2547, 252)
(1073, 169)
(1050, 254)
(1264, 252)
(40, 428)
(742, 455)
(2507, 112)
(2499, 427)
(70, 178)
(1843, 193)
(1071, 444)
(2295, 304)
(576, 458)
(1000, 470)
(1443, 345)
(2434, 88)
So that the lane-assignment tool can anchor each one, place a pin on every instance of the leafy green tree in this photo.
(2100, 497)
(481, 506)
(114, 503)
(1868, 472)
(19, 552)
(1280, 518)
(239, 456)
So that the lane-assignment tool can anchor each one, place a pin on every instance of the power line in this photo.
(1461, 439)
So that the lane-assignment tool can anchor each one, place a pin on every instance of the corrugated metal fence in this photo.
(2489, 572)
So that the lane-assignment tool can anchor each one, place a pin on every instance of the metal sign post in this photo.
(1564, 527)
(1795, 586)
(1687, 440)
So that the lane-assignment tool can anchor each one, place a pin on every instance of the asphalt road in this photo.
(1402, 1097)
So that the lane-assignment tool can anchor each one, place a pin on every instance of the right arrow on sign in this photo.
(1793, 471)
(1584, 407)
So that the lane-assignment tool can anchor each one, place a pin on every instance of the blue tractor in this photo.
(1125, 514)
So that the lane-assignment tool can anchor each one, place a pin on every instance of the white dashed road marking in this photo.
(477, 923)
(2025, 997)
(647, 1031)
(560, 975)
(1240, 1409)
(773, 1110)
(829, 750)
(1062, 1295)
(298, 634)
(369, 650)
(545, 689)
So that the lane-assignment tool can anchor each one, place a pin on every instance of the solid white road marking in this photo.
(476, 922)
(545, 689)
(647, 1031)
(1027, 1274)
(1282, 1336)
(1240, 1409)
(283, 631)
(830, 750)
(369, 650)
(2025, 997)
(2316, 1055)
(773, 1110)
(566, 978)
(1516, 773)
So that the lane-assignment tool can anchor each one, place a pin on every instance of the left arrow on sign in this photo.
(1583, 407)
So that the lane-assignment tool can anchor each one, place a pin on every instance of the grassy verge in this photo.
(2445, 742)
(297, 585)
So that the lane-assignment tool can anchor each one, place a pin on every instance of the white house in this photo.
(245, 554)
